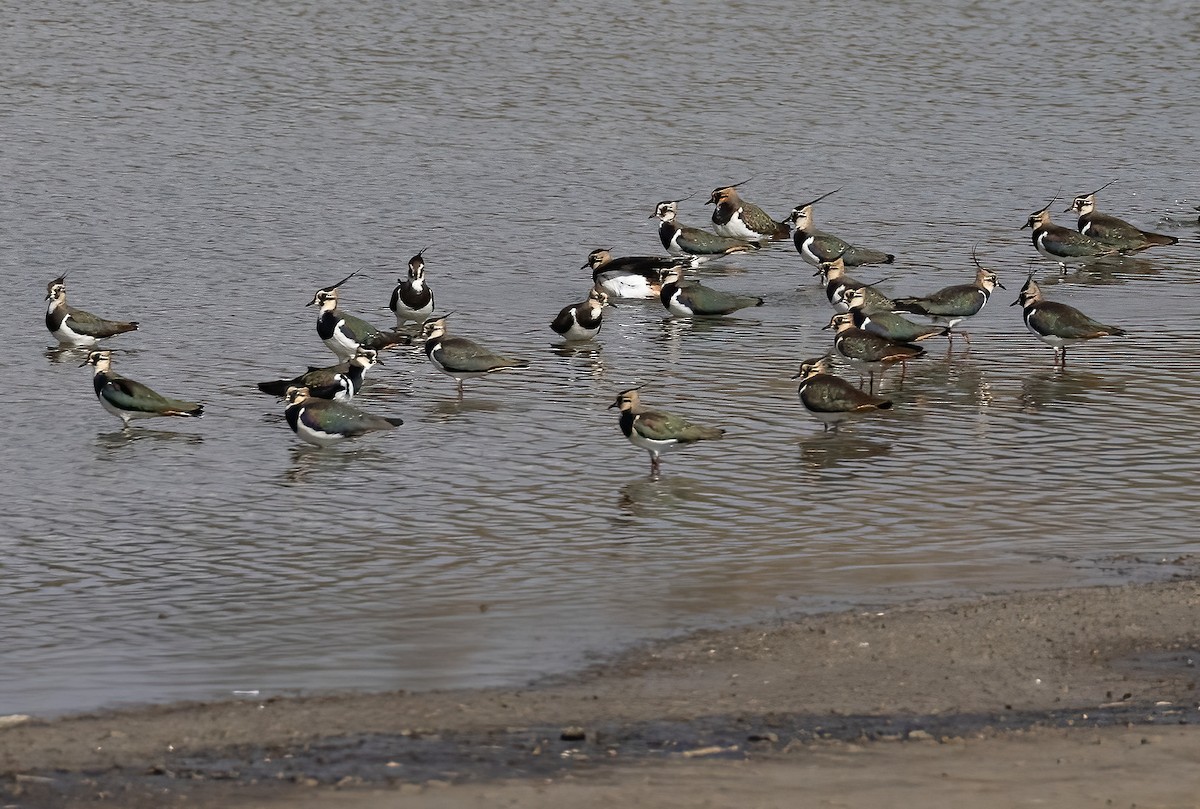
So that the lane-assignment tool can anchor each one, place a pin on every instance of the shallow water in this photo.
(203, 167)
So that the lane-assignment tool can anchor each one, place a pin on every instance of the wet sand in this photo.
(1069, 698)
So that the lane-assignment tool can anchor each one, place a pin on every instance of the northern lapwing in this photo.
(817, 247)
(738, 219)
(889, 324)
(343, 333)
(412, 299)
(127, 399)
(690, 298)
(323, 422)
(953, 304)
(632, 276)
(340, 382)
(1113, 231)
(831, 399)
(682, 240)
(868, 352)
(837, 284)
(459, 357)
(657, 431)
(581, 321)
(75, 327)
(1057, 324)
(1063, 244)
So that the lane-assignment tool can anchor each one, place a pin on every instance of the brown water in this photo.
(203, 167)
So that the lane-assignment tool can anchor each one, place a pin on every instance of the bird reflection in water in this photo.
(646, 496)
(447, 409)
(329, 463)
(828, 450)
(585, 356)
(1047, 388)
(121, 439)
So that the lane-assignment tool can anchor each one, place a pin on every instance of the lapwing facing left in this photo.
(127, 399)
(889, 324)
(342, 333)
(689, 298)
(341, 382)
(632, 276)
(866, 351)
(738, 219)
(1113, 231)
(323, 422)
(682, 240)
(838, 285)
(817, 247)
(75, 327)
(459, 357)
(831, 399)
(657, 431)
(953, 304)
(581, 321)
(1063, 244)
(412, 299)
(1057, 324)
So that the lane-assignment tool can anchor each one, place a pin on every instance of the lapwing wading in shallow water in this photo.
(341, 382)
(689, 298)
(632, 276)
(1057, 324)
(738, 219)
(1063, 244)
(459, 357)
(75, 327)
(831, 399)
(838, 285)
(412, 299)
(889, 324)
(1113, 231)
(868, 352)
(656, 431)
(323, 422)
(817, 247)
(342, 333)
(127, 399)
(581, 321)
(682, 240)
(952, 305)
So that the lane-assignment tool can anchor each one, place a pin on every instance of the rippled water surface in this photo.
(204, 167)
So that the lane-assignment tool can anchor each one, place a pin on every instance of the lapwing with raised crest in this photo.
(817, 247)
(128, 399)
(952, 305)
(1063, 244)
(1113, 231)
(657, 431)
(412, 299)
(344, 333)
(75, 327)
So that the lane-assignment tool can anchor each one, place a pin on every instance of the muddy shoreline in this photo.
(751, 703)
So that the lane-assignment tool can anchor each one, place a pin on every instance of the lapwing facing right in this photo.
(75, 327)
(581, 321)
(632, 276)
(866, 351)
(1063, 244)
(682, 240)
(323, 422)
(817, 247)
(1057, 324)
(412, 299)
(343, 334)
(459, 357)
(127, 399)
(340, 382)
(831, 399)
(950, 306)
(689, 298)
(738, 219)
(1113, 231)
(657, 431)
(889, 324)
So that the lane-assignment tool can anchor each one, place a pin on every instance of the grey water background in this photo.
(203, 167)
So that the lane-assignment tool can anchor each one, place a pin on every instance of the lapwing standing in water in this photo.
(738, 219)
(342, 333)
(1063, 244)
(323, 422)
(581, 321)
(889, 324)
(340, 382)
(950, 306)
(682, 240)
(1057, 324)
(1113, 231)
(657, 431)
(127, 399)
(632, 276)
(868, 352)
(817, 247)
(75, 327)
(689, 298)
(412, 299)
(838, 284)
(831, 399)
(459, 357)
